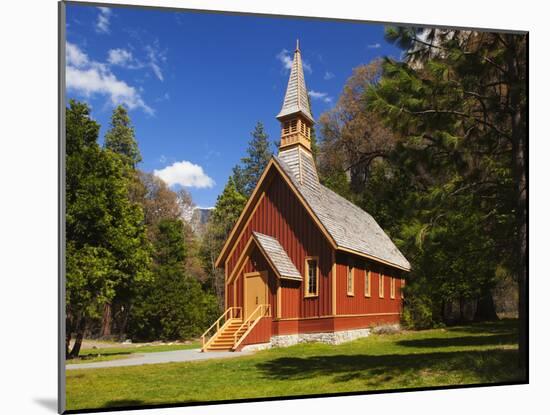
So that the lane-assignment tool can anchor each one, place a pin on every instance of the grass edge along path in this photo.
(116, 353)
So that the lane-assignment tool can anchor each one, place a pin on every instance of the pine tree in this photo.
(258, 155)
(121, 138)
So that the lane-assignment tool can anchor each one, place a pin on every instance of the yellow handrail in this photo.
(233, 312)
(250, 323)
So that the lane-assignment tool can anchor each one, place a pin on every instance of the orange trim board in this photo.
(337, 316)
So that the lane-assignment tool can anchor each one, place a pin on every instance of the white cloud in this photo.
(121, 57)
(328, 75)
(286, 60)
(154, 55)
(75, 57)
(103, 20)
(374, 46)
(88, 78)
(185, 174)
(322, 96)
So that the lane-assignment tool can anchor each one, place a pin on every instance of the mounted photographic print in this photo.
(257, 207)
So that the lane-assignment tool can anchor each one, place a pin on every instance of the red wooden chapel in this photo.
(302, 263)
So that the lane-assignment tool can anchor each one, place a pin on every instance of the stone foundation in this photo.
(256, 347)
(336, 337)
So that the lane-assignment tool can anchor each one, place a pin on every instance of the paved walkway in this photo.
(137, 359)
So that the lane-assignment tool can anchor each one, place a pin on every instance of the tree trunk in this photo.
(516, 61)
(81, 327)
(106, 321)
(124, 313)
(67, 343)
(485, 310)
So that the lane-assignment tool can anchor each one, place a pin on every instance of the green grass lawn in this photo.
(114, 353)
(481, 353)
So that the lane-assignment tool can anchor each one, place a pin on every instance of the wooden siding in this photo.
(330, 324)
(281, 215)
(359, 303)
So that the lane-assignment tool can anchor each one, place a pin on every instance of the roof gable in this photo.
(345, 225)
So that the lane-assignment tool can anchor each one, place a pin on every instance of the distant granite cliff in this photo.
(197, 217)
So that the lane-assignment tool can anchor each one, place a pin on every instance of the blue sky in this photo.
(197, 83)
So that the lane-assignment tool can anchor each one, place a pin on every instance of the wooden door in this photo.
(255, 291)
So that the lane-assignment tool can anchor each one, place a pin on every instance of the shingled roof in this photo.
(351, 227)
(296, 99)
(277, 256)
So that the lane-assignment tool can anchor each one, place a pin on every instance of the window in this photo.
(381, 285)
(401, 288)
(367, 283)
(392, 288)
(350, 279)
(312, 277)
(293, 126)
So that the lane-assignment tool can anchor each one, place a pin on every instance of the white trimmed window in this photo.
(367, 283)
(350, 287)
(312, 277)
(381, 285)
(392, 288)
(401, 288)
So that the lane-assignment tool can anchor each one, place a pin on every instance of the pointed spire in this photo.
(296, 99)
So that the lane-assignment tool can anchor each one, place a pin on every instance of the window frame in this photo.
(350, 268)
(307, 294)
(392, 288)
(401, 288)
(368, 281)
(380, 285)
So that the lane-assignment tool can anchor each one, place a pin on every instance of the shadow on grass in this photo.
(436, 342)
(485, 366)
(494, 327)
(123, 402)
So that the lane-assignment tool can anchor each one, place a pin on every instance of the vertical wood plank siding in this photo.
(358, 303)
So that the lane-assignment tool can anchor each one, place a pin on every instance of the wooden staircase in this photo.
(231, 330)
(225, 338)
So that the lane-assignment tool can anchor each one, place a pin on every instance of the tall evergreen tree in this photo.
(105, 235)
(258, 155)
(121, 138)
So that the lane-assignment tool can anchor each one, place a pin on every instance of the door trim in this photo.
(246, 275)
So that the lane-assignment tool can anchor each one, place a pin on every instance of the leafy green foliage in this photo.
(173, 305)
(105, 235)
(444, 187)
